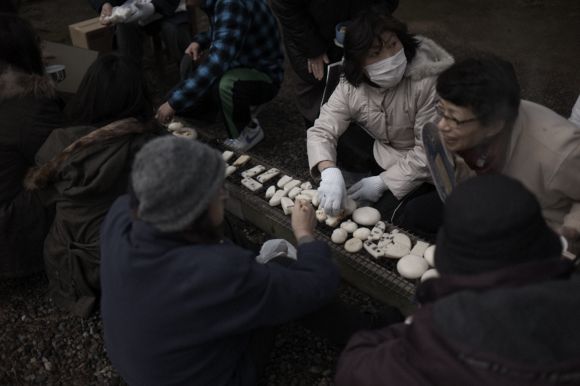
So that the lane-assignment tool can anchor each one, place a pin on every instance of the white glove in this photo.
(332, 191)
(120, 14)
(142, 11)
(274, 248)
(368, 189)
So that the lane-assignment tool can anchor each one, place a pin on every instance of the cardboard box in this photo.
(76, 61)
(92, 35)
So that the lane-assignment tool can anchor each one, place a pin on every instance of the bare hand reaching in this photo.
(194, 50)
(106, 11)
(316, 66)
(303, 219)
(573, 238)
(165, 113)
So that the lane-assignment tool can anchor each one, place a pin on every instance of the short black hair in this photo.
(19, 45)
(486, 84)
(363, 31)
(113, 88)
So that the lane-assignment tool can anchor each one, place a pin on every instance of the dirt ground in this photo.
(42, 345)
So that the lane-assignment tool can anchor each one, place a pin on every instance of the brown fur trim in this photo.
(19, 84)
(39, 177)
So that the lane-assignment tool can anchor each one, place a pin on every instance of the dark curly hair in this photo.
(486, 84)
(363, 31)
(19, 45)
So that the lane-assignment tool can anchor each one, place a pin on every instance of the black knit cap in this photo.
(492, 222)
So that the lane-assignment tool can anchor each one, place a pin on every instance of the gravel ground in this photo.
(42, 345)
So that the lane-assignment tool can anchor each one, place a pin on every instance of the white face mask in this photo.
(388, 72)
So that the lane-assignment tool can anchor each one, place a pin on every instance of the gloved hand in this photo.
(142, 11)
(572, 237)
(332, 191)
(368, 189)
(275, 248)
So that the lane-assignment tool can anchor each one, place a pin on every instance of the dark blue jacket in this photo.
(177, 313)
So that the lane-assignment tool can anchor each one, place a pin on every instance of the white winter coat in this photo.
(393, 117)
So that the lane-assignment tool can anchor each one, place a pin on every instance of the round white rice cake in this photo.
(396, 251)
(429, 255)
(366, 216)
(175, 125)
(339, 236)
(412, 267)
(429, 274)
(349, 226)
(362, 233)
(353, 245)
(401, 238)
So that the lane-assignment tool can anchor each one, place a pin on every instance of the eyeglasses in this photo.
(454, 122)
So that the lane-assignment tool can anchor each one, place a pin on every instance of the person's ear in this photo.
(494, 129)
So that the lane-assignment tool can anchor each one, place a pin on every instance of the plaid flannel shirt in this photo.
(243, 33)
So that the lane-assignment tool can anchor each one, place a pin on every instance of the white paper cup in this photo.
(564, 244)
(56, 71)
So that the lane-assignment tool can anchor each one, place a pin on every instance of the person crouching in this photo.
(505, 310)
(180, 304)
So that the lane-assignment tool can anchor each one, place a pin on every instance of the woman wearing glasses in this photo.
(484, 123)
(388, 88)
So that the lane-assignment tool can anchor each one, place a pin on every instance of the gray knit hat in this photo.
(174, 180)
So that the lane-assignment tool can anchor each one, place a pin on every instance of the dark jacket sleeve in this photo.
(367, 353)
(277, 294)
(203, 38)
(47, 116)
(391, 5)
(299, 27)
(58, 140)
(396, 355)
(256, 295)
(98, 4)
(165, 7)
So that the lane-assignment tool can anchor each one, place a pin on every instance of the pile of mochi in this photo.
(364, 231)
(179, 130)
(285, 191)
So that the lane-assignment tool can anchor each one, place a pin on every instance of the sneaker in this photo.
(249, 137)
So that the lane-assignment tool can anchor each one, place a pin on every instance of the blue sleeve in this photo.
(230, 27)
(203, 38)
